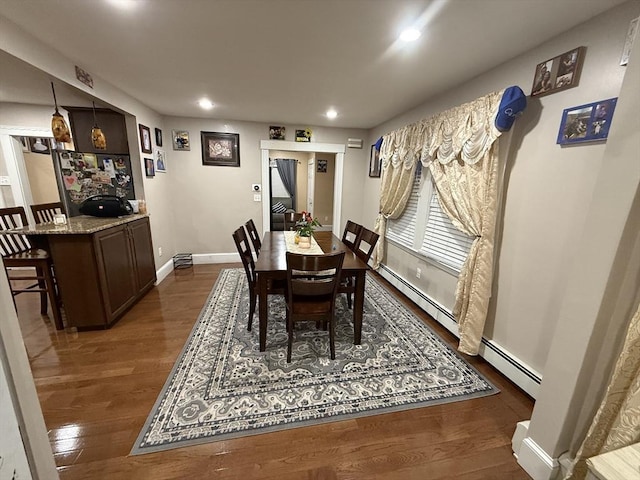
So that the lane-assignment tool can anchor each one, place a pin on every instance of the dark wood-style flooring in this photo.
(97, 388)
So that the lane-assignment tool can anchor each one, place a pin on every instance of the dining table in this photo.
(272, 265)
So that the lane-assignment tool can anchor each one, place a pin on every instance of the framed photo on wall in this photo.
(374, 163)
(586, 123)
(558, 73)
(220, 149)
(161, 161)
(149, 168)
(180, 140)
(158, 137)
(145, 138)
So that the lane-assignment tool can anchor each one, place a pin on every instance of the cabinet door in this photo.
(116, 267)
(143, 253)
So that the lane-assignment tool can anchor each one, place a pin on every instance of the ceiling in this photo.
(281, 61)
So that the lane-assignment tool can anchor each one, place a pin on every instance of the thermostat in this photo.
(256, 187)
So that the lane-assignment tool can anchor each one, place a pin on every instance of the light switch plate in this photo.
(4, 180)
(257, 197)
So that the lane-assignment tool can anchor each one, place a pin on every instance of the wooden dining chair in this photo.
(290, 220)
(44, 212)
(363, 248)
(17, 252)
(350, 234)
(252, 231)
(312, 286)
(273, 287)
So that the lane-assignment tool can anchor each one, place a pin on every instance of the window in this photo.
(426, 230)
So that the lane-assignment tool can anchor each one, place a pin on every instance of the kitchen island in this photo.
(103, 266)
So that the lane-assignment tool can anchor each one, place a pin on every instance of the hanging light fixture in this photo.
(97, 137)
(58, 125)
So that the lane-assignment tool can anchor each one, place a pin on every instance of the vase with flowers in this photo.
(304, 229)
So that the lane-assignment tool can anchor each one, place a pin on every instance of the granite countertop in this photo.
(82, 224)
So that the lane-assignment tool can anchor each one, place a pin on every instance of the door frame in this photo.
(335, 148)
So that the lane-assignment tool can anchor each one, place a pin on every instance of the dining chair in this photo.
(17, 252)
(254, 236)
(350, 234)
(363, 248)
(273, 287)
(290, 220)
(312, 286)
(44, 212)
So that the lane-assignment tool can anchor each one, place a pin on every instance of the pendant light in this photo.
(58, 125)
(97, 137)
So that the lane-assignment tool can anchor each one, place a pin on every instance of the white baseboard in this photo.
(204, 258)
(536, 462)
(163, 271)
(510, 366)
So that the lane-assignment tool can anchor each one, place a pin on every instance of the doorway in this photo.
(324, 151)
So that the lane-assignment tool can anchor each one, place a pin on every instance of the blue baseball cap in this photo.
(513, 103)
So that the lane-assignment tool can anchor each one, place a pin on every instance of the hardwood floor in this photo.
(97, 388)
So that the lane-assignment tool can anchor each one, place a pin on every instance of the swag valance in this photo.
(459, 147)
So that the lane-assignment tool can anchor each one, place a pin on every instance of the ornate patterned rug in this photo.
(222, 386)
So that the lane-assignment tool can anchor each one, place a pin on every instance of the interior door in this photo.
(311, 180)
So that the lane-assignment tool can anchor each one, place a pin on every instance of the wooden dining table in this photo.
(272, 265)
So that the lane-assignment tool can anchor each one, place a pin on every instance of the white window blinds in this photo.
(403, 229)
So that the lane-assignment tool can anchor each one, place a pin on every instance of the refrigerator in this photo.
(83, 175)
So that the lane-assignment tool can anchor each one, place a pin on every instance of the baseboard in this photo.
(164, 271)
(536, 462)
(510, 366)
(204, 258)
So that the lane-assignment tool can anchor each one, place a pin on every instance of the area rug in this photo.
(222, 386)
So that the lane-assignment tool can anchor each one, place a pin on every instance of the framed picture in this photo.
(322, 166)
(374, 163)
(558, 73)
(145, 138)
(180, 140)
(39, 145)
(220, 149)
(303, 135)
(276, 132)
(586, 123)
(149, 168)
(161, 161)
(158, 137)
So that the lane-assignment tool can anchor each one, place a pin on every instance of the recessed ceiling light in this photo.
(410, 34)
(332, 113)
(205, 103)
(123, 4)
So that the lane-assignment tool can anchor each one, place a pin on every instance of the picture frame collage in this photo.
(158, 162)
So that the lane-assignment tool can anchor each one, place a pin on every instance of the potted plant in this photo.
(305, 228)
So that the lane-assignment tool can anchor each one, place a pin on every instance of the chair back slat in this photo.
(350, 234)
(313, 275)
(290, 220)
(10, 218)
(242, 244)
(254, 236)
(365, 244)
(44, 212)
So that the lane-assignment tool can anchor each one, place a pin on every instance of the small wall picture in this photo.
(374, 163)
(149, 169)
(558, 73)
(161, 161)
(180, 140)
(586, 123)
(39, 145)
(220, 149)
(322, 166)
(145, 138)
(158, 137)
(303, 135)
(276, 133)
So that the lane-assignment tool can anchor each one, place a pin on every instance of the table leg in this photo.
(358, 306)
(262, 310)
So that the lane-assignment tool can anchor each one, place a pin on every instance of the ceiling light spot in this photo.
(331, 113)
(123, 4)
(205, 103)
(410, 34)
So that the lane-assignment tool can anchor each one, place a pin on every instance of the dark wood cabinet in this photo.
(111, 123)
(102, 274)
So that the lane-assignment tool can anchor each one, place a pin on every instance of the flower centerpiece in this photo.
(305, 228)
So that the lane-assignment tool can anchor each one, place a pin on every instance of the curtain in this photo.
(458, 146)
(617, 422)
(287, 171)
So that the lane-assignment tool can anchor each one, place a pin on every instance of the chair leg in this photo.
(252, 308)
(53, 298)
(290, 341)
(42, 285)
(332, 343)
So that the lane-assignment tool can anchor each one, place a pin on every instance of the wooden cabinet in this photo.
(102, 274)
(112, 124)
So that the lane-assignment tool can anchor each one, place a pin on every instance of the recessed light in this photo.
(205, 103)
(410, 34)
(332, 113)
